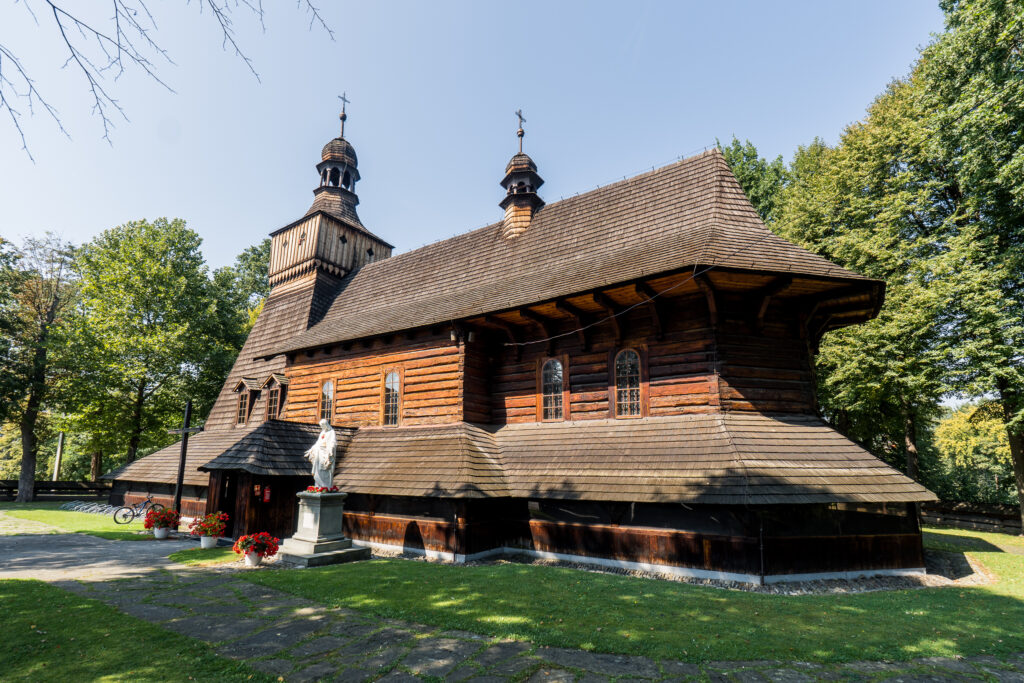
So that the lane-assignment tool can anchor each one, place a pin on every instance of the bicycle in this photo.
(128, 513)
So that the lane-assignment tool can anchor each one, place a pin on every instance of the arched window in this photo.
(551, 390)
(327, 401)
(627, 383)
(334, 177)
(392, 389)
(346, 181)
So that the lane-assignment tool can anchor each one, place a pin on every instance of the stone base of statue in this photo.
(319, 538)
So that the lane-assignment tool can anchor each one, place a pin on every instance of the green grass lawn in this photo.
(200, 557)
(49, 634)
(76, 522)
(619, 614)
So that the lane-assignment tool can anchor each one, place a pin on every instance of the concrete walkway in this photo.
(298, 640)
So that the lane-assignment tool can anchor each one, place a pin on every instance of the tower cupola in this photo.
(339, 173)
(521, 183)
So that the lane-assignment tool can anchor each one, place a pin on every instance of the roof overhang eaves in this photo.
(287, 348)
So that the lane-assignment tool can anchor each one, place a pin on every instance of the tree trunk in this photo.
(1010, 398)
(910, 443)
(29, 418)
(1017, 454)
(136, 433)
(96, 466)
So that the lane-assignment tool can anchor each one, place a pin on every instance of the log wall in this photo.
(431, 367)
(698, 365)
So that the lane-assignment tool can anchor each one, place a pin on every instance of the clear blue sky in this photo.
(608, 89)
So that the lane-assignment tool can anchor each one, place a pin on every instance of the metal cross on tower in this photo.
(343, 115)
(520, 132)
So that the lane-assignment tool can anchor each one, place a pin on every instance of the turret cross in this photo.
(343, 116)
(520, 132)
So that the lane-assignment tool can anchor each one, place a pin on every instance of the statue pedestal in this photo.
(319, 538)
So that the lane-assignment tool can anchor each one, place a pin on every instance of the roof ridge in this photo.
(547, 207)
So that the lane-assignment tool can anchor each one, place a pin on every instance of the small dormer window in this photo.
(343, 239)
(369, 252)
(242, 416)
(274, 402)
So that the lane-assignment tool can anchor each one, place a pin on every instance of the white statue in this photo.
(322, 455)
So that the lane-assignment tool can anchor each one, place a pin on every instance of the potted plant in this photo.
(208, 528)
(322, 489)
(256, 547)
(161, 522)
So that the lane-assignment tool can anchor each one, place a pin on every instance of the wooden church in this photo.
(622, 378)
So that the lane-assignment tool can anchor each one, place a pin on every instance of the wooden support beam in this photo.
(510, 332)
(705, 285)
(655, 306)
(579, 320)
(612, 309)
(806, 314)
(545, 324)
(820, 330)
(766, 294)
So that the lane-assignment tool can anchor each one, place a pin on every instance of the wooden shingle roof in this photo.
(162, 466)
(716, 458)
(692, 212)
(284, 315)
(275, 448)
(726, 459)
(457, 460)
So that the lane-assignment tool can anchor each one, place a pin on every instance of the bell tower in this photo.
(330, 239)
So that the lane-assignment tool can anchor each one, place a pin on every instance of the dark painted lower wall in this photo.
(769, 541)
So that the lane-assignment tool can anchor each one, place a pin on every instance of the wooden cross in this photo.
(186, 429)
(520, 133)
(342, 116)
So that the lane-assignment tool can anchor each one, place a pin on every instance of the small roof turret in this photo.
(521, 182)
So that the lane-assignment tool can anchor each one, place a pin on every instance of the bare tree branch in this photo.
(28, 91)
(102, 54)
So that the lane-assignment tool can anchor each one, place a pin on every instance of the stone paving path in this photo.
(298, 640)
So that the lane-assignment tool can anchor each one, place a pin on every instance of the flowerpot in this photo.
(253, 559)
(207, 542)
(161, 532)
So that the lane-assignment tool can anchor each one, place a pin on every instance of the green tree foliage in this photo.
(871, 204)
(11, 280)
(149, 334)
(762, 180)
(973, 456)
(973, 94)
(35, 309)
(244, 286)
(251, 268)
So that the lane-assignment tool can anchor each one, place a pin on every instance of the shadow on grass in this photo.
(52, 635)
(665, 619)
(959, 542)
